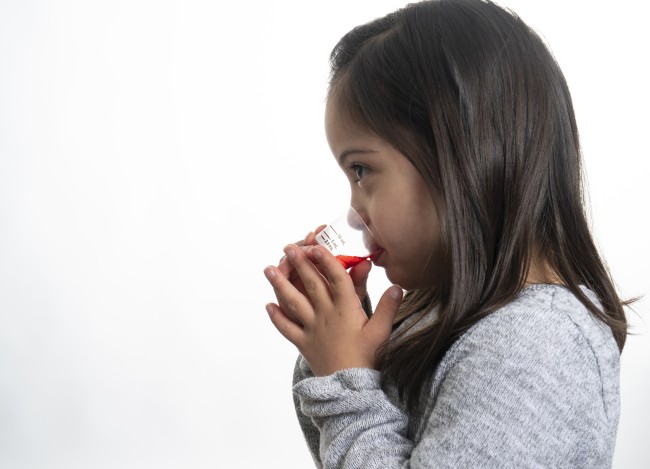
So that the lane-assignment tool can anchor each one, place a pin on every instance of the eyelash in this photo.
(356, 168)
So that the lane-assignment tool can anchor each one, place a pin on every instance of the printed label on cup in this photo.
(348, 238)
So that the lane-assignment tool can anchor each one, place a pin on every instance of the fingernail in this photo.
(317, 252)
(269, 309)
(395, 292)
(269, 272)
(290, 252)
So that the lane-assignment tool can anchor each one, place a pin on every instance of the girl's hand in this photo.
(359, 273)
(286, 268)
(310, 240)
(326, 322)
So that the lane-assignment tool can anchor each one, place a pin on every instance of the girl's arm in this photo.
(319, 311)
(355, 423)
(309, 430)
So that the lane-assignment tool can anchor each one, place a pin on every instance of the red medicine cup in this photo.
(348, 238)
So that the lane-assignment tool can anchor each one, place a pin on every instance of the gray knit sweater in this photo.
(533, 385)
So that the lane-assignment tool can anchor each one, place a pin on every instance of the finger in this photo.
(297, 283)
(337, 277)
(301, 242)
(291, 331)
(285, 266)
(359, 275)
(310, 239)
(293, 302)
(312, 279)
(381, 323)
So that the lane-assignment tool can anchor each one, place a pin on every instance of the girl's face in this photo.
(391, 197)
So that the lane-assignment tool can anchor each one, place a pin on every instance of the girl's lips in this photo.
(374, 257)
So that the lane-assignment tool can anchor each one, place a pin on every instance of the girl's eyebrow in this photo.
(352, 151)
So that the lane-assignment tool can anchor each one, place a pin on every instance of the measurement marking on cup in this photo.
(353, 237)
(329, 242)
(339, 236)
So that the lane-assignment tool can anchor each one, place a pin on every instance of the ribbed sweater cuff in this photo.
(332, 386)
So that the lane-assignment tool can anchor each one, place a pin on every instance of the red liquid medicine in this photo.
(350, 261)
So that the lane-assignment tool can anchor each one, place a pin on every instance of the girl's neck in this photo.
(541, 272)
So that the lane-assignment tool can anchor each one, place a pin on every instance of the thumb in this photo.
(381, 323)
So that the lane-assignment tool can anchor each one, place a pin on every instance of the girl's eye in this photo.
(360, 171)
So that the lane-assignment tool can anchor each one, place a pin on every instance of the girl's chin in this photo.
(398, 278)
(404, 280)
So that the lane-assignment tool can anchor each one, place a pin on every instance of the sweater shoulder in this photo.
(543, 315)
(545, 327)
(539, 376)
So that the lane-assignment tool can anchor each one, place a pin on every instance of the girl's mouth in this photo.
(375, 255)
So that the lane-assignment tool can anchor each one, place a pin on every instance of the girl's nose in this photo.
(357, 219)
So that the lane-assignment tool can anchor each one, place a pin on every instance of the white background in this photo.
(155, 156)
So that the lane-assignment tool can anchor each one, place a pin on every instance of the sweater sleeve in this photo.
(358, 426)
(514, 391)
(312, 434)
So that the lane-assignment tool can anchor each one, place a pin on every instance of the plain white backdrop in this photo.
(155, 156)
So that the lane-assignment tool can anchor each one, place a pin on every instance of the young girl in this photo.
(455, 128)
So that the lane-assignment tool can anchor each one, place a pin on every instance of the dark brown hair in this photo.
(475, 100)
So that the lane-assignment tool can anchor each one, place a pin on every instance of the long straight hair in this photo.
(474, 99)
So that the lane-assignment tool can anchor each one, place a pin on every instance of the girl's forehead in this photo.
(339, 124)
(336, 109)
(342, 102)
(340, 114)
